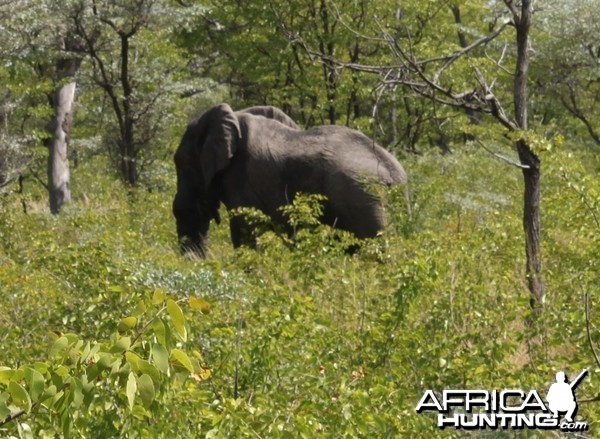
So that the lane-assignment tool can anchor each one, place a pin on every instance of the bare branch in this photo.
(573, 107)
(503, 158)
(12, 417)
(510, 4)
(449, 59)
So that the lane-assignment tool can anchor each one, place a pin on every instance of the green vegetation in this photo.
(294, 338)
(107, 331)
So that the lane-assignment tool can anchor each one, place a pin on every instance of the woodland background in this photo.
(106, 330)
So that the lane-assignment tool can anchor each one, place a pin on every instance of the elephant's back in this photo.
(353, 152)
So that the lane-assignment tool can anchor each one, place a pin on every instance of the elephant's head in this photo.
(206, 148)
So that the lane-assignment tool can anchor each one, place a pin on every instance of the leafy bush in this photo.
(295, 338)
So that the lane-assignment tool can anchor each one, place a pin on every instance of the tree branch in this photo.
(503, 158)
(12, 417)
(573, 108)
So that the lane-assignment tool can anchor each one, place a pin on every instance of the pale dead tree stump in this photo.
(59, 177)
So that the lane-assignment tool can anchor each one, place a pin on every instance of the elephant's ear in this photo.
(220, 142)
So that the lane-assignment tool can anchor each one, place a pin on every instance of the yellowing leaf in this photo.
(126, 324)
(199, 304)
(203, 375)
(158, 297)
(131, 389)
(7, 375)
(181, 357)
(177, 318)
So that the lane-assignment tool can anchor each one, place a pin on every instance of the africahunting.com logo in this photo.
(512, 408)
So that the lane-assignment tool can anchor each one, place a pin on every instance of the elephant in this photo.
(258, 157)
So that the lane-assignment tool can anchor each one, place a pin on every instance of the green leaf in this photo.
(4, 410)
(49, 392)
(148, 368)
(122, 344)
(59, 346)
(133, 359)
(131, 389)
(181, 357)
(146, 389)
(66, 423)
(19, 395)
(177, 318)
(161, 358)
(158, 297)
(140, 309)
(35, 382)
(76, 393)
(127, 323)
(160, 331)
(8, 375)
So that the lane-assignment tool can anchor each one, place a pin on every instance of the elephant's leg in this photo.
(241, 232)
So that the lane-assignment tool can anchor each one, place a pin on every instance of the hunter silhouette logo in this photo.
(561, 396)
(509, 408)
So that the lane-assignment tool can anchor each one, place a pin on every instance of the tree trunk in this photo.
(128, 150)
(532, 225)
(531, 163)
(59, 177)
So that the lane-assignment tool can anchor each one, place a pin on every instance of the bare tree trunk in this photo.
(59, 177)
(530, 161)
(128, 149)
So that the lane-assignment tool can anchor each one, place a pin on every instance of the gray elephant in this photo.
(259, 158)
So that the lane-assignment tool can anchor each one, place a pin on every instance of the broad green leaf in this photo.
(59, 346)
(199, 304)
(19, 395)
(140, 309)
(4, 410)
(131, 389)
(105, 361)
(122, 344)
(177, 318)
(8, 375)
(158, 297)
(161, 358)
(148, 368)
(49, 392)
(146, 389)
(160, 331)
(66, 424)
(133, 359)
(127, 323)
(86, 352)
(35, 382)
(181, 357)
(76, 393)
